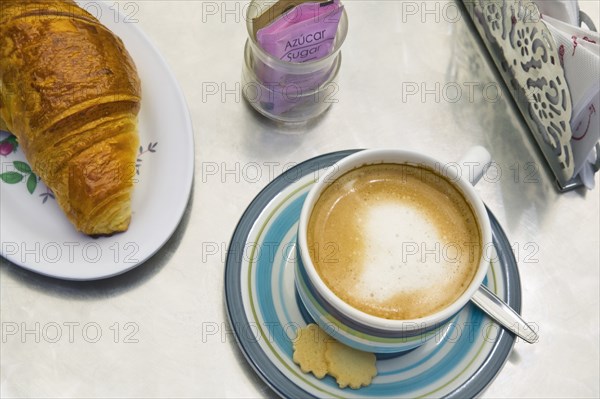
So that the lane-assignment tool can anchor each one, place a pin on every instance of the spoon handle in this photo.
(487, 301)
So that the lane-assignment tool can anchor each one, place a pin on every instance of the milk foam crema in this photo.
(395, 241)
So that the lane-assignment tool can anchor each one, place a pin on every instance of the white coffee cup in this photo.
(364, 330)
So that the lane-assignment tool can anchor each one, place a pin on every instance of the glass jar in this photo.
(286, 91)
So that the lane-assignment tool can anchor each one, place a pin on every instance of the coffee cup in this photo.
(391, 246)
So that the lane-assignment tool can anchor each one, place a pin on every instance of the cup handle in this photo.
(474, 163)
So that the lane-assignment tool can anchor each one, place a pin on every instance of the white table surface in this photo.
(171, 300)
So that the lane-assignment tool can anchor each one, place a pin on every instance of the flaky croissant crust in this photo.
(71, 94)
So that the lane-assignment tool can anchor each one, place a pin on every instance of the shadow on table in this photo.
(113, 286)
(518, 164)
(268, 137)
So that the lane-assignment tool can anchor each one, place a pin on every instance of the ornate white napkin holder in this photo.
(526, 57)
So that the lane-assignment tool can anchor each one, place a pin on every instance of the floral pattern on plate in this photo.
(18, 171)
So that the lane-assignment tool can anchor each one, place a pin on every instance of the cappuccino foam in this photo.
(395, 241)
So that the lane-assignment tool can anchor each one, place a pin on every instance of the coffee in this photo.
(395, 241)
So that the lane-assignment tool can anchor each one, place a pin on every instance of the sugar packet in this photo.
(304, 33)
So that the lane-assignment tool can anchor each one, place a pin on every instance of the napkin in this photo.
(579, 53)
(563, 10)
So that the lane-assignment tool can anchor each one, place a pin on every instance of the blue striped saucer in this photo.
(265, 312)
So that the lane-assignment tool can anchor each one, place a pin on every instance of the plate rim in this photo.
(485, 375)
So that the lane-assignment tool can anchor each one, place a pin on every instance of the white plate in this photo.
(36, 235)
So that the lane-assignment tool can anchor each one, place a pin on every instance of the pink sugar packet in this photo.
(304, 33)
(301, 34)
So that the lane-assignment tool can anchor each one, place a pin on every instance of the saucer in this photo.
(266, 313)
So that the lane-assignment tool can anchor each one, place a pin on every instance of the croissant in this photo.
(70, 93)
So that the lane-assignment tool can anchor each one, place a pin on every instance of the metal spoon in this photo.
(487, 301)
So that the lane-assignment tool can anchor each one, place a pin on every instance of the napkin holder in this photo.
(526, 57)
